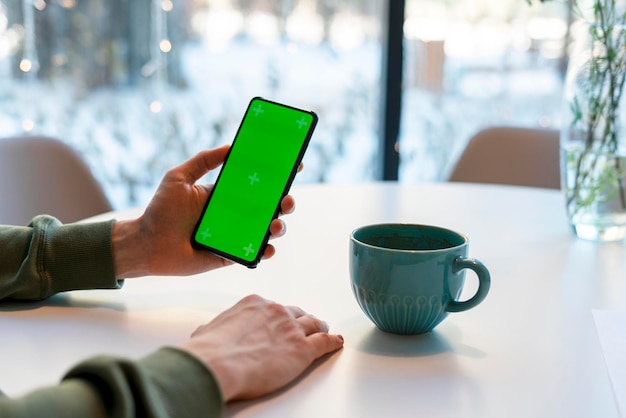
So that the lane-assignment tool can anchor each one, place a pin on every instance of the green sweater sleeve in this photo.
(167, 383)
(48, 257)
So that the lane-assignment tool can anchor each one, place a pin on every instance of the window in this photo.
(138, 86)
(471, 64)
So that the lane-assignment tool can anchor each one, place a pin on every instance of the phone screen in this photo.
(256, 175)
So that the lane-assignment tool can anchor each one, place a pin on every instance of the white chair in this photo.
(511, 155)
(41, 175)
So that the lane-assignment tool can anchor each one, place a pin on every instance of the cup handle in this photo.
(484, 282)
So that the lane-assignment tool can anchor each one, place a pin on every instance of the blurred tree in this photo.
(101, 43)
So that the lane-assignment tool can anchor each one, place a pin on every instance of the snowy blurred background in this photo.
(137, 86)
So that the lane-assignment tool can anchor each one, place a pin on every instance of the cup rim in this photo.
(403, 224)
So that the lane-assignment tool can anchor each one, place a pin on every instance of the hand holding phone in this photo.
(257, 173)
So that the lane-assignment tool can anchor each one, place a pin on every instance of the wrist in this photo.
(223, 369)
(129, 253)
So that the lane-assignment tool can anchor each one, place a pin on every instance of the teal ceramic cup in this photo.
(407, 278)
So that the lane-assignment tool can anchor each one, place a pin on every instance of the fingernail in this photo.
(291, 209)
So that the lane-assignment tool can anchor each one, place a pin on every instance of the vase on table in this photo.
(593, 134)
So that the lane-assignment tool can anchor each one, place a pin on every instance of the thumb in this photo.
(203, 162)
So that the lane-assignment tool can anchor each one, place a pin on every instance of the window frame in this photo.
(391, 95)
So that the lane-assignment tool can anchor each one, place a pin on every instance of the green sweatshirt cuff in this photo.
(187, 387)
(48, 257)
(77, 256)
(167, 383)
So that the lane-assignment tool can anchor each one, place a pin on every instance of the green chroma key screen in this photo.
(261, 164)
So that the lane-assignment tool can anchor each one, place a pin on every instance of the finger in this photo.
(323, 343)
(300, 167)
(287, 205)
(203, 162)
(277, 228)
(269, 252)
(311, 324)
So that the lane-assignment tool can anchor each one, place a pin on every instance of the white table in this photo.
(529, 350)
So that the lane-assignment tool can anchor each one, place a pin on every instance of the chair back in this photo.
(41, 175)
(511, 155)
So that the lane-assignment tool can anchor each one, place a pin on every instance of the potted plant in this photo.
(593, 141)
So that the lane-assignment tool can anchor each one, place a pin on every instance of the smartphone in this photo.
(257, 173)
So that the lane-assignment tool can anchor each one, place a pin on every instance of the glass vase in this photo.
(593, 142)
